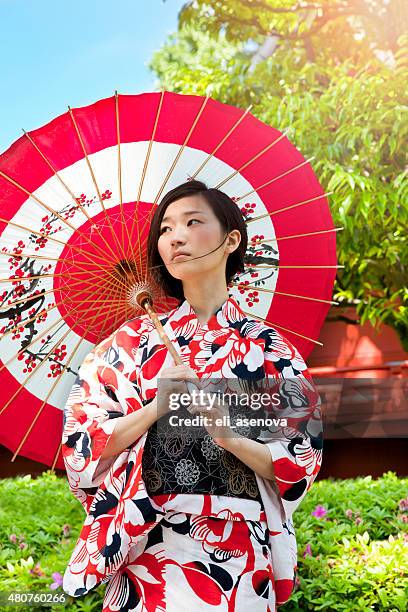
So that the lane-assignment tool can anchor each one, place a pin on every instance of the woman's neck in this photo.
(205, 298)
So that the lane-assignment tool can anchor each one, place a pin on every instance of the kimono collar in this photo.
(228, 313)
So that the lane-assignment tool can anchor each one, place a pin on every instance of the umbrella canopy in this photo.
(76, 200)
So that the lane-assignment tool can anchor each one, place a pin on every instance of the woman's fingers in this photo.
(205, 410)
(178, 386)
(178, 372)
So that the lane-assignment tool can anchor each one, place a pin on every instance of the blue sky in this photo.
(60, 52)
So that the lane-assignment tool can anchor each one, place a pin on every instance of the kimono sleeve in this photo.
(296, 445)
(101, 394)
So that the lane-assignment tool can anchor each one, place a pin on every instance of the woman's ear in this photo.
(233, 240)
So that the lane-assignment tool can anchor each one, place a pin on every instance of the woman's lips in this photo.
(176, 257)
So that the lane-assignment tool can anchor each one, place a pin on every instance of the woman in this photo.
(178, 522)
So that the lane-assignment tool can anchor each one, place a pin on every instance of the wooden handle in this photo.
(147, 306)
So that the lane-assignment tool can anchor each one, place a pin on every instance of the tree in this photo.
(331, 28)
(349, 110)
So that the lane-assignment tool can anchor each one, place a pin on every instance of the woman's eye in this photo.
(166, 227)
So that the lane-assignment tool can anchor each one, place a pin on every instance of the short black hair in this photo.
(226, 211)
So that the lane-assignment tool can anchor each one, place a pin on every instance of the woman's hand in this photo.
(216, 415)
(172, 380)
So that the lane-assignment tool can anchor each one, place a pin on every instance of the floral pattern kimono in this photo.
(177, 551)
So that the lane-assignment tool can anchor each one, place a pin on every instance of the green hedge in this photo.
(352, 542)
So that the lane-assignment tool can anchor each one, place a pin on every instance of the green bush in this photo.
(359, 547)
(352, 542)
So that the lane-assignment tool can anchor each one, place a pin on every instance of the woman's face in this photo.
(189, 227)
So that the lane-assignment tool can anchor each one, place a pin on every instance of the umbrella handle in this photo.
(166, 340)
(146, 304)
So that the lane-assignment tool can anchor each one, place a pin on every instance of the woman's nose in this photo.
(176, 240)
(177, 237)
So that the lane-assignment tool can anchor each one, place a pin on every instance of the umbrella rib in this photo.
(278, 239)
(25, 322)
(72, 246)
(82, 282)
(29, 297)
(60, 444)
(117, 118)
(56, 173)
(88, 270)
(100, 335)
(284, 328)
(307, 161)
(36, 276)
(96, 285)
(3, 408)
(302, 267)
(89, 165)
(227, 135)
(51, 237)
(35, 256)
(47, 208)
(57, 380)
(32, 255)
(50, 210)
(40, 202)
(54, 463)
(294, 295)
(81, 142)
(275, 212)
(180, 151)
(27, 229)
(124, 309)
(37, 337)
(33, 341)
(111, 301)
(254, 158)
(80, 270)
(119, 159)
(76, 201)
(174, 163)
(91, 273)
(135, 221)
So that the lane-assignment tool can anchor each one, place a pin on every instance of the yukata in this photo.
(164, 549)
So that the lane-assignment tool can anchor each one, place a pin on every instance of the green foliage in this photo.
(46, 520)
(350, 114)
(341, 29)
(358, 550)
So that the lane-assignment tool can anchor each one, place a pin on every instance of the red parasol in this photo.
(76, 199)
